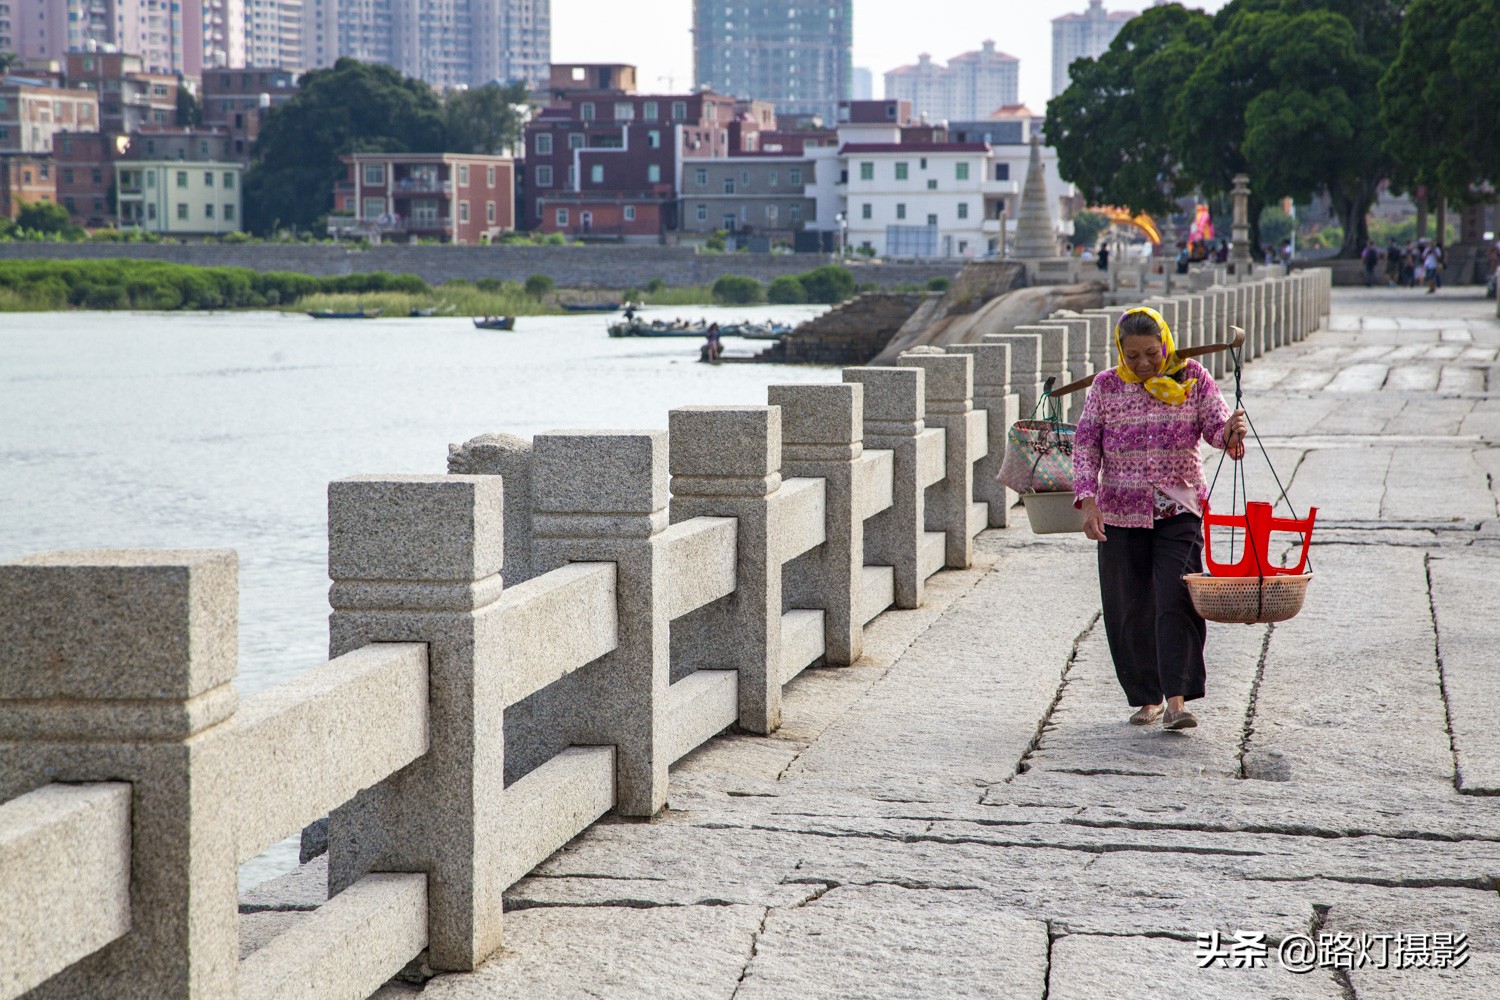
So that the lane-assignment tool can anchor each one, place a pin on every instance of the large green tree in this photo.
(349, 107)
(1288, 93)
(1112, 126)
(486, 119)
(1439, 97)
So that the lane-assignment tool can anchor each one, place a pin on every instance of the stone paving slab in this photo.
(1465, 596)
(1094, 967)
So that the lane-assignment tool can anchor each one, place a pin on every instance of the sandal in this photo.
(1176, 721)
(1146, 714)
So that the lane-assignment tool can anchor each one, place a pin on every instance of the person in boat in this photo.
(1138, 479)
(629, 313)
(711, 348)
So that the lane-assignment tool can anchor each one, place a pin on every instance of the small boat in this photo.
(494, 323)
(422, 313)
(345, 314)
(656, 328)
(591, 307)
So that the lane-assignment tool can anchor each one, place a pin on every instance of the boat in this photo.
(343, 314)
(656, 328)
(422, 313)
(591, 307)
(494, 322)
(756, 331)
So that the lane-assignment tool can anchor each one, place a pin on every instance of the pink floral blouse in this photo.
(1130, 446)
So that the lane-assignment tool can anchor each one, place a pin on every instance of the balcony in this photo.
(421, 185)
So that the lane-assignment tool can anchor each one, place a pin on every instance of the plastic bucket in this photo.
(1052, 513)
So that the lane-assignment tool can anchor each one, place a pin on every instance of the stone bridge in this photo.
(614, 774)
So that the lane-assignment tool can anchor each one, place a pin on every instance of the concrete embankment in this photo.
(609, 267)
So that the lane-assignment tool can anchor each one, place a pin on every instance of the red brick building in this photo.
(85, 169)
(237, 101)
(452, 197)
(25, 178)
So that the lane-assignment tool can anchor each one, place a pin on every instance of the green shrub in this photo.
(734, 290)
(786, 290)
(938, 284)
(655, 285)
(538, 285)
(489, 284)
(828, 285)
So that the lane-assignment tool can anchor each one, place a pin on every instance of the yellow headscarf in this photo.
(1162, 386)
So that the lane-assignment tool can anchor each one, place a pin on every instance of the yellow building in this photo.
(180, 197)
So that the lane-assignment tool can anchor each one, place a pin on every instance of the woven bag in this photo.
(1038, 456)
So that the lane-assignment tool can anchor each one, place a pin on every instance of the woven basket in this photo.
(1247, 600)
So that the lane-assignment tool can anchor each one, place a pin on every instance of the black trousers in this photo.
(1155, 636)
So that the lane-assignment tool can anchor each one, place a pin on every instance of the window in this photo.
(900, 210)
(182, 178)
(795, 214)
(728, 222)
(463, 175)
(374, 173)
(374, 208)
(585, 113)
(729, 185)
(772, 212)
(562, 216)
(208, 178)
(228, 213)
(208, 210)
(228, 180)
(489, 176)
(866, 211)
(649, 111)
(97, 177)
(931, 184)
(901, 171)
(924, 163)
(701, 213)
(540, 211)
(624, 111)
(150, 210)
(961, 171)
(745, 178)
(794, 176)
(867, 171)
(679, 110)
(629, 213)
(653, 173)
(151, 179)
(573, 177)
(932, 218)
(596, 174)
(544, 144)
(182, 210)
(653, 139)
(489, 213)
(68, 204)
(576, 140)
(700, 177)
(963, 210)
(544, 176)
(463, 211)
(771, 178)
(1002, 171)
(67, 175)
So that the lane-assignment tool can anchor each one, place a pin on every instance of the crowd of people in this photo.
(1419, 263)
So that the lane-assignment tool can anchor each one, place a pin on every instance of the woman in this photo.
(1139, 481)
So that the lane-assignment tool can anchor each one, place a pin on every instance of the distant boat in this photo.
(656, 328)
(343, 314)
(495, 323)
(429, 311)
(591, 307)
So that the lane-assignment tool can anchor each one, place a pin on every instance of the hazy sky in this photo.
(887, 34)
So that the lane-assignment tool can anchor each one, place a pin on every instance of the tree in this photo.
(350, 107)
(538, 286)
(1288, 93)
(1087, 226)
(1112, 126)
(47, 218)
(189, 111)
(8, 62)
(486, 119)
(1438, 99)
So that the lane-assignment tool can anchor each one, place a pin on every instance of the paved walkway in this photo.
(965, 813)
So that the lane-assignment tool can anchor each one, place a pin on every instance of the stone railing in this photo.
(659, 588)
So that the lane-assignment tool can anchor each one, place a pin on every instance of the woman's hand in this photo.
(1234, 434)
(1093, 520)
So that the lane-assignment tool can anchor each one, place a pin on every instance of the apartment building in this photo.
(170, 36)
(32, 111)
(25, 179)
(179, 197)
(84, 167)
(450, 197)
(1083, 36)
(751, 195)
(130, 96)
(970, 86)
(237, 101)
(921, 200)
(796, 56)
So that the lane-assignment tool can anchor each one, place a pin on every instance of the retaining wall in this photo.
(613, 267)
(658, 588)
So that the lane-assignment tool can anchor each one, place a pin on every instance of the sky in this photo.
(887, 34)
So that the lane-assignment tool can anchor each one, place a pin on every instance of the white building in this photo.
(179, 197)
(932, 200)
(971, 86)
(1083, 36)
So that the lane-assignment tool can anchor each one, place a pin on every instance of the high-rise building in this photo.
(170, 37)
(795, 54)
(971, 86)
(273, 34)
(1083, 36)
(864, 85)
(448, 43)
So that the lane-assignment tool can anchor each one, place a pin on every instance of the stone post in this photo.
(822, 435)
(601, 496)
(417, 559)
(1101, 337)
(894, 404)
(1078, 363)
(726, 462)
(509, 457)
(1054, 355)
(950, 405)
(1241, 227)
(1001, 408)
(1025, 367)
(118, 665)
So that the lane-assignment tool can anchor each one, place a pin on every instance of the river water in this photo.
(194, 430)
